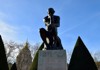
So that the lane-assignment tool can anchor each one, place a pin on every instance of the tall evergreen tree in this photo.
(3, 59)
(14, 67)
(81, 58)
(24, 58)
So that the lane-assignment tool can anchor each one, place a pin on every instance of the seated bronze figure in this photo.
(50, 35)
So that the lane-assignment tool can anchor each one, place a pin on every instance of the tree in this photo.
(34, 48)
(3, 59)
(35, 60)
(24, 58)
(96, 56)
(12, 50)
(81, 58)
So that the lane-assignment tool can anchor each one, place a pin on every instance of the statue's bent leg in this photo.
(46, 35)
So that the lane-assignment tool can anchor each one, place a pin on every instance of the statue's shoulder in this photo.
(56, 17)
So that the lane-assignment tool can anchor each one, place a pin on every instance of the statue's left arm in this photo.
(56, 21)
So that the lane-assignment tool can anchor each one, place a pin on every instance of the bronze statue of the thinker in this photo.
(50, 38)
(50, 35)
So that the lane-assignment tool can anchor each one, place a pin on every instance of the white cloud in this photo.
(7, 31)
(6, 27)
(13, 32)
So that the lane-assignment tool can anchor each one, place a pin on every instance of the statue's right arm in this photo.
(45, 20)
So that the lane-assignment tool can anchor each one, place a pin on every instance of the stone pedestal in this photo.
(52, 60)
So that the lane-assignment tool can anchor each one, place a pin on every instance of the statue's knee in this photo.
(42, 30)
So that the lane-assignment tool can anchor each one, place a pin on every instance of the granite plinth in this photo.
(52, 60)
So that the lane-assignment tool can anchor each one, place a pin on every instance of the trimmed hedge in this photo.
(3, 59)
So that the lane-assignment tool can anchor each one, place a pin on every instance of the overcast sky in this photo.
(21, 19)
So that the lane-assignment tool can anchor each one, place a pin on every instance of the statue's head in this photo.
(51, 11)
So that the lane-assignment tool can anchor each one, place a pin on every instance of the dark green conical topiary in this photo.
(81, 58)
(14, 67)
(35, 60)
(3, 59)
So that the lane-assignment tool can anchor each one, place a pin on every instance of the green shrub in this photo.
(81, 58)
(35, 60)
